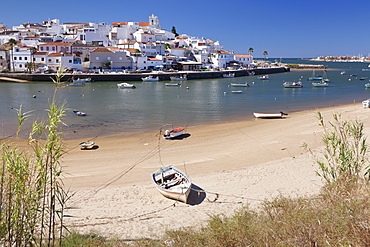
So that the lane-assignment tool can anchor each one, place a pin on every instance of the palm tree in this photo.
(33, 50)
(251, 50)
(265, 53)
(12, 42)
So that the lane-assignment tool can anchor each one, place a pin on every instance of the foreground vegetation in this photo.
(32, 199)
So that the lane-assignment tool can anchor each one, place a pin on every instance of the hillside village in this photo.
(99, 47)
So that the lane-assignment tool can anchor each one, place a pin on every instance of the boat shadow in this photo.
(181, 137)
(196, 195)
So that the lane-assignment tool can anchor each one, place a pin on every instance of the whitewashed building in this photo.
(243, 59)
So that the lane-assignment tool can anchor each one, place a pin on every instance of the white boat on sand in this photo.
(172, 183)
(170, 134)
(150, 78)
(269, 115)
(87, 145)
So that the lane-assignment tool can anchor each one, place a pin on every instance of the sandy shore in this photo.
(244, 162)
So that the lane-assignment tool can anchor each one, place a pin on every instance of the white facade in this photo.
(221, 59)
(19, 58)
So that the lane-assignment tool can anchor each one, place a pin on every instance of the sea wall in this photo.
(163, 76)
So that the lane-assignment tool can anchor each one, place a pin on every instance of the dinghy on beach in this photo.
(172, 183)
(269, 115)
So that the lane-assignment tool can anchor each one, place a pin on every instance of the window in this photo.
(49, 60)
(41, 48)
(20, 58)
(20, 66)
(15, 58)
(108, 58)
(97, 58)
(70, 61)
(120, 58)
(25, 58)
(47, 48)
(57, 60)
(42, 59)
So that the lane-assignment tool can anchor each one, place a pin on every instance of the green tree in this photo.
(12, 42)
(174, 31)
(107, 65)
(33, 50)
(251, 50)
(265, 53)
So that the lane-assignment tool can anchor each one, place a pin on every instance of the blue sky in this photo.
(290, 28)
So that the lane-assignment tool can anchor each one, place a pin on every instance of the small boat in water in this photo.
(264, 77)
(172, 84)
(367, 85)
(77, 84)
(343, 72)
(150, 78)
(320, 84)
(239, 84)
(237, 92)
(81, 80)
(229, 75)
(125, 85)
(172, 183)
(79, 113)
(269, 115)
(178, 78)
(293, 84)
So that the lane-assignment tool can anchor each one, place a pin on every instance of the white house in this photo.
(19, 58)
(58, 47)
(220, 59)
(243, 59)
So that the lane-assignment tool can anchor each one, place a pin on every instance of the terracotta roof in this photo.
(57, 43)
(101, 50)
(223, 52)
(55, 54)
(154, 59)
(119, 23)
(143, 24)
(41, 53)
(242, 55)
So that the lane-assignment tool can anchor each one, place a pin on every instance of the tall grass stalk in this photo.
(345, 149)
(32, 196)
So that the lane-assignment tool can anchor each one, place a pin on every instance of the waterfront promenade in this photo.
(134, 76)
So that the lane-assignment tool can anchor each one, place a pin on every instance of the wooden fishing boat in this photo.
(269, 115)
(172, 183)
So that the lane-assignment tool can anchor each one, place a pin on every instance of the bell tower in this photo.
(154, 22)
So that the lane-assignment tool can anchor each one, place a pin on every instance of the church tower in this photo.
(154, 22)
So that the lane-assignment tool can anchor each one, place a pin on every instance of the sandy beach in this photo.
(243, 162)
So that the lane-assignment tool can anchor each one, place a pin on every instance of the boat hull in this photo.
(170, 134)
(172, 183)
(268, 115)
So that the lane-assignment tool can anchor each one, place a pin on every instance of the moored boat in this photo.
(172, 183)
(237, 92)
(178, 78)
(264, 77)
(293, 84)
(125, 85)
(79, 113)
(320, 84)
(367, 85)
(81, 80)
(77, 84)
(172, 84)
(229, 75)
(150, 78)
(239, 84)
(269, 114)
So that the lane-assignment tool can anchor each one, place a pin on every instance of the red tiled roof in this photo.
(242, 55)
(101, 50)
(56, 43)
